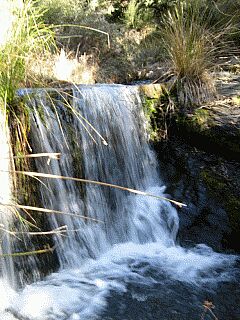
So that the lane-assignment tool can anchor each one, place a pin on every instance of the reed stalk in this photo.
(52, 176)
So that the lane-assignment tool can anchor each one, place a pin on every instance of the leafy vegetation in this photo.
(158, 107)
(176, 40)
(29, 37)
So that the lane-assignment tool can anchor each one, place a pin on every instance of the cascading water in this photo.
(125, 159)
(7, 277)
(126, 247)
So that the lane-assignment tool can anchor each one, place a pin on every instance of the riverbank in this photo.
(200, 165)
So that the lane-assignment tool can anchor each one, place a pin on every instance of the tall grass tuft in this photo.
(191, 44)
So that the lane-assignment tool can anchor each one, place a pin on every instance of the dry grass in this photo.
(191, 46)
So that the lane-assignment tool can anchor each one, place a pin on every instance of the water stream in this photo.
(7, 281)
(112, 267)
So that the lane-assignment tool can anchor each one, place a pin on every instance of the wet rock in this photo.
(214, 128)
(210, 186)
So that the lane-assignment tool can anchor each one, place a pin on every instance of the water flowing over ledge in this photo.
(6, 185)
(134, 251)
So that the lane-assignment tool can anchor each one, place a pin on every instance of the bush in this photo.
(136, 13)
(192, 41)
(62, 11)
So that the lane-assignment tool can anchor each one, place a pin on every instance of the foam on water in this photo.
(81, 293)
(135, 242)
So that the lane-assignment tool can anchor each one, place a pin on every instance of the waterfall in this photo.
(7, 277)
(114, 239)
(125, 160)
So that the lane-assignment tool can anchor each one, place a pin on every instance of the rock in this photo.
(215, 128)
(228, 84)
(152, 91)
(210, 186)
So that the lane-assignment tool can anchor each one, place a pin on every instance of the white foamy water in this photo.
(6, 215)
(135, 240)
(81, 293)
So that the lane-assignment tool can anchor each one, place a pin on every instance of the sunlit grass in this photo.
(191, 46)
(29, 35)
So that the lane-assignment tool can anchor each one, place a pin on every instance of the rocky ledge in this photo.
(200, 164)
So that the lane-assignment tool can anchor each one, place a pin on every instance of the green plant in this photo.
(137, 14)
(200, 118)
(141, 12)
(61, 11)
(158, 109)
(28, 36)
(225, 12)
(191, 44)
(131, 13)
(137, 11)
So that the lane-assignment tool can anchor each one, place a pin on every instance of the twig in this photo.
(52, 176)
(38, 209)
(208, 306)
(81, 27)
(28, 253)
(78, 114)
(39, 233)
(53, 155)
(210, 310)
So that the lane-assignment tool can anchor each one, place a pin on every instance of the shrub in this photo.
(192, 42)
(62, 11)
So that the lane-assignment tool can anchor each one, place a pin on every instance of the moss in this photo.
(198, 121)
(201, 118)
(150, 111)
(19, 124)
(233, 210)
(157, 106)
(222, 192)
(153, 91)
(236, 100)
(41, 115)
(213, 182)
(201, 129)
(149, 106)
